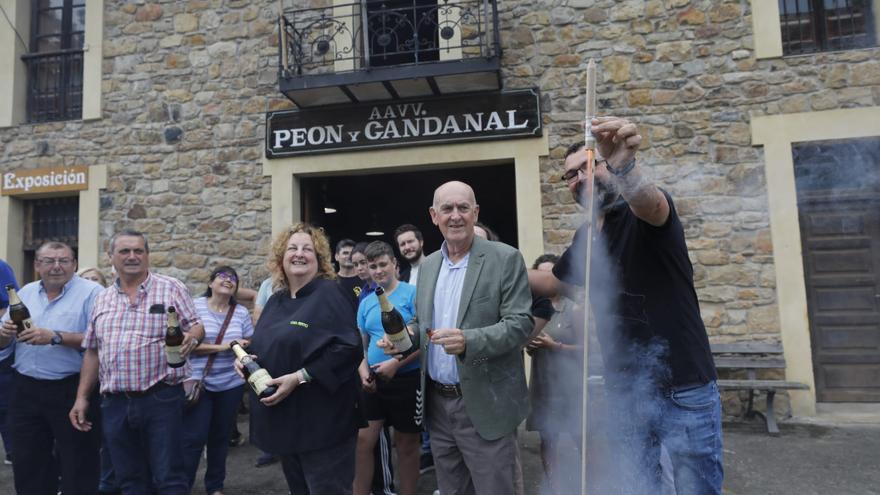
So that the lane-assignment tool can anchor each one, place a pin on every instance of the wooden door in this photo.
(839, 212)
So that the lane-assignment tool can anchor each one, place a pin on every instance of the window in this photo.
(824, 25)
(49, 219)
(55, 61)
(402, 31)
(841, 166)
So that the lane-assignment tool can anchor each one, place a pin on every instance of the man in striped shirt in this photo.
(124, 349)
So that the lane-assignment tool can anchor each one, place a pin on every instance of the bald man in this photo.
(472, 319)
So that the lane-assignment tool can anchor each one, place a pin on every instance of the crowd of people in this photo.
(89, 404)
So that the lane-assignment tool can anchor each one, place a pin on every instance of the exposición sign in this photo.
(45, 180)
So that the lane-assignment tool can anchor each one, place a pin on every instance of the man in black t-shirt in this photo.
(659, 373)
(347, 275)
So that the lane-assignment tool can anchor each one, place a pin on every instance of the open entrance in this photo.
(838, 191)
(349, 206)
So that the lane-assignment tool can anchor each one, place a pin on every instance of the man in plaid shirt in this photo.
(143, 399)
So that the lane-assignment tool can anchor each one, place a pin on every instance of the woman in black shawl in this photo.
(306, 338)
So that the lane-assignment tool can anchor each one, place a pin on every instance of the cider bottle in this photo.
(393, 324)
(256, 375)
(18, 312)
(173, 340)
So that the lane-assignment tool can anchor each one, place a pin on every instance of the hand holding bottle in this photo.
(285, 385)
(8, 330)
(36, 336)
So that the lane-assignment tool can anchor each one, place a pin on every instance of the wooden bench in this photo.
(751, 357)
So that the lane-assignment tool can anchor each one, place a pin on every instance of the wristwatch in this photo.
(56, 339)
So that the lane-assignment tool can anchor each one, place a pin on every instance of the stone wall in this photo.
(186, 85)
(686, 72)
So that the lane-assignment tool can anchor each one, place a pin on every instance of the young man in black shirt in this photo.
(347, 275)
(659, 373)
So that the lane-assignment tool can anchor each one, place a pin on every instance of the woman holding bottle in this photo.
(307, 340)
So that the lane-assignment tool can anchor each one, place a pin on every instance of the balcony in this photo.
(376, 50)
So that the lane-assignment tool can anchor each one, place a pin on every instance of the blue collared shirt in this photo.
(69, 312)
(447, 296)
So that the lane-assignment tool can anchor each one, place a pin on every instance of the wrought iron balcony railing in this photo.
(378, 41)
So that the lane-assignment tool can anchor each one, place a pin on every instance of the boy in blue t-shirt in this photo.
(390, 385)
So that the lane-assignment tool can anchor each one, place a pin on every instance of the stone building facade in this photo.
(179, 132)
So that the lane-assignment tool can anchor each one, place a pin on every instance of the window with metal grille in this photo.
(825, 25)
(49, 219)
(402, 31)
(55, 61)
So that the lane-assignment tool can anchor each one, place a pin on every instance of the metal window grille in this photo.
(402, 31)
(51, 219)
(55, 61)
(48, 219)
(824, 25)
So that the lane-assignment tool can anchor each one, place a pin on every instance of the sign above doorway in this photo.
(482, 116)
(44, 180)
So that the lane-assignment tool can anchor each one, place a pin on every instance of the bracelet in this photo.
(622, 171)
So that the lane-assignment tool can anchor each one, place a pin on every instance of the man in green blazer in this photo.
(472, 320)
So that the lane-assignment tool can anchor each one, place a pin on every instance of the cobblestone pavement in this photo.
(804, 460)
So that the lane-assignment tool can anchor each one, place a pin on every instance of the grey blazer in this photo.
(495, 315)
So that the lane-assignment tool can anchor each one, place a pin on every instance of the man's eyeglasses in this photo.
(573, 174)
(52, 261)
(227, 277)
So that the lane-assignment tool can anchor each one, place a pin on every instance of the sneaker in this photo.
(265, 460)
(426, 463)
(236, 440)
(436, 492)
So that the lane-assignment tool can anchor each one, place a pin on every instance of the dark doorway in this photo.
(838, 189)
(383, 201)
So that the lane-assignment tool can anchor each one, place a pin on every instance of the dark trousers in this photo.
(209, 423)
(38, 420)
(6, 377)
(143, 434)
(328, 471)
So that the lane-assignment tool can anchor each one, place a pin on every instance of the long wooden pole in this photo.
(590, 147)
(282, 38)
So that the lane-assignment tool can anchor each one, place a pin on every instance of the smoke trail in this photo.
(622, 454)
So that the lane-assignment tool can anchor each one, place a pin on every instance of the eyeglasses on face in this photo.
(227, 276)
(52, 261)
(573, 174)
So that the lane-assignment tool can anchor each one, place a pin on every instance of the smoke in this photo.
(837, 167)
(625, 395)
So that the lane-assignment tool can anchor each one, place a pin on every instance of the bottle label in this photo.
(259, 380)
(400, 340)
(173, 354)
(26, 324)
